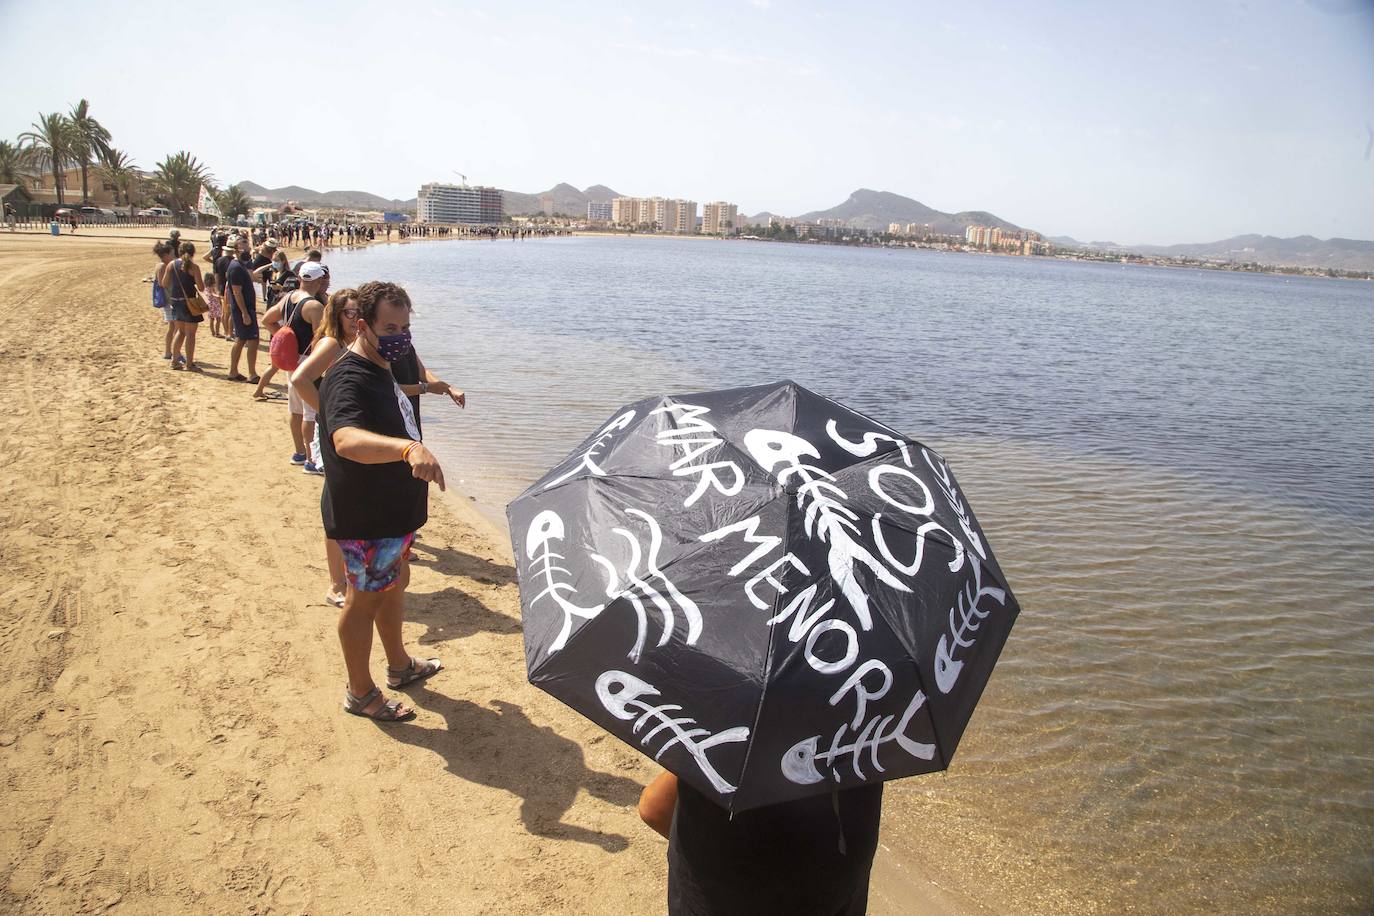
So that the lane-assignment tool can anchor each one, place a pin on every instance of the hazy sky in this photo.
(1139, 123)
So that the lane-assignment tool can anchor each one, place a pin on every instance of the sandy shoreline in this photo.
(171, 737)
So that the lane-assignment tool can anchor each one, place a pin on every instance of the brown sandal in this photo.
(417, 670)
(387, 712)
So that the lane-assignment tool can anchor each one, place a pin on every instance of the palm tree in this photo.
(89, 140)
(14, 163)
(50, 144)
(233, 201)
(178, 179)
(119, 170)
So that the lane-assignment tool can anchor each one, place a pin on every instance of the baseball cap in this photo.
(271, 242)
(311, 270)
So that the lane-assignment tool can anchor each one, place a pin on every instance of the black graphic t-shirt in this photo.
(782, 858)
(366, 501)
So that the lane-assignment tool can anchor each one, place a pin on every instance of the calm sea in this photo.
(1174, 468)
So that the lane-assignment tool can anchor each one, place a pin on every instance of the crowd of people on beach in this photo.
(355, 383)
(353, 387)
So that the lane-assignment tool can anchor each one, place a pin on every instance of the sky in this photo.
(1137, 123)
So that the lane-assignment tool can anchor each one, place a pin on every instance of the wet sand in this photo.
(171, 735)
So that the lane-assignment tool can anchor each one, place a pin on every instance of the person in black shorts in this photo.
(375, 497)
(803, 857)
(240, 298)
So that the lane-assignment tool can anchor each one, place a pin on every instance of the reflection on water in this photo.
(1172, 467)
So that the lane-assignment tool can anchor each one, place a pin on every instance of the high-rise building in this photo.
(680, 216)
(718, 218)
(625, 211)
(546, 205)
(599, 212)
(454, 203)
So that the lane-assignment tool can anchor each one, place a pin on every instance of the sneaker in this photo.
(298, 458)
(311, 467)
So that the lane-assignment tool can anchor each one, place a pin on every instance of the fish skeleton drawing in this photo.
(964, 631)
(826, 518)
(623, 696)
(638, 586)
(799, 764)
(588, 460)
(546, 529)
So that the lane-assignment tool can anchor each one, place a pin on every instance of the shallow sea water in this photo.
(1173, 468)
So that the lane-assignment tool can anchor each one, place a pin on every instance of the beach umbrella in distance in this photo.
(770, 594)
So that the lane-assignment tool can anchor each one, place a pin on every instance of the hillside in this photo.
(356, 200)
(868, 209)
(1298, 251)
(566, 198)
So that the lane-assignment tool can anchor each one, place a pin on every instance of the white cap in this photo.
(312, 270)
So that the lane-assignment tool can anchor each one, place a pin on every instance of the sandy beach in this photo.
(171, 736)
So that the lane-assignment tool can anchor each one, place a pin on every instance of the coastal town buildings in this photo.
(718, 218)
(600, 211)
(438, 202)
(546, 205)
(660, 213)
(680, 216)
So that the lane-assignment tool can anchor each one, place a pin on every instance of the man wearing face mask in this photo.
(376, 495)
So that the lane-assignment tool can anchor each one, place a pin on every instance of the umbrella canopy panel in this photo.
(769, 593)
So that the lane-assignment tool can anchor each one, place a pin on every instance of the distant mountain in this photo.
(868, 209)
(1299, 251)
(355, 200)
(566, 198)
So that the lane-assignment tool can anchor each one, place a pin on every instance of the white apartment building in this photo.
(454, 203)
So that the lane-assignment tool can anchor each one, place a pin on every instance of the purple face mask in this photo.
(392, 347)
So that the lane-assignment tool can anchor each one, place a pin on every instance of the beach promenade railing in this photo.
(29, 224)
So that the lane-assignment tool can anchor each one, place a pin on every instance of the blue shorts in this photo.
(373, 566)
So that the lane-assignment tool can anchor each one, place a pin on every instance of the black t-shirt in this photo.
(407, 372)
(236, 274)
(778, 859)
(366, 501)
(222, 267)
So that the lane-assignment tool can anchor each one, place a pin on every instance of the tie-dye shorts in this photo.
(372, 566)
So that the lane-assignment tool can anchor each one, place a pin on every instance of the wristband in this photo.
(405, 454)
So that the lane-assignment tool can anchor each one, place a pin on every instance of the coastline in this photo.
(174, 670)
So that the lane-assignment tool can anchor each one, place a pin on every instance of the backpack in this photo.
(285, 349)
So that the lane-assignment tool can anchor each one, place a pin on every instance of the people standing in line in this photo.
(332, 338)
(241, 298)
(376, 496)
(301, 311)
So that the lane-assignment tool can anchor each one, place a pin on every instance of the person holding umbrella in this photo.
(782, 601)
(376, 496)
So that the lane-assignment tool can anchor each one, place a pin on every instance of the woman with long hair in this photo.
(182, 280)
(332, 337)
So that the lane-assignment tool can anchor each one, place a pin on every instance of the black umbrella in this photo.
(769, 593)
